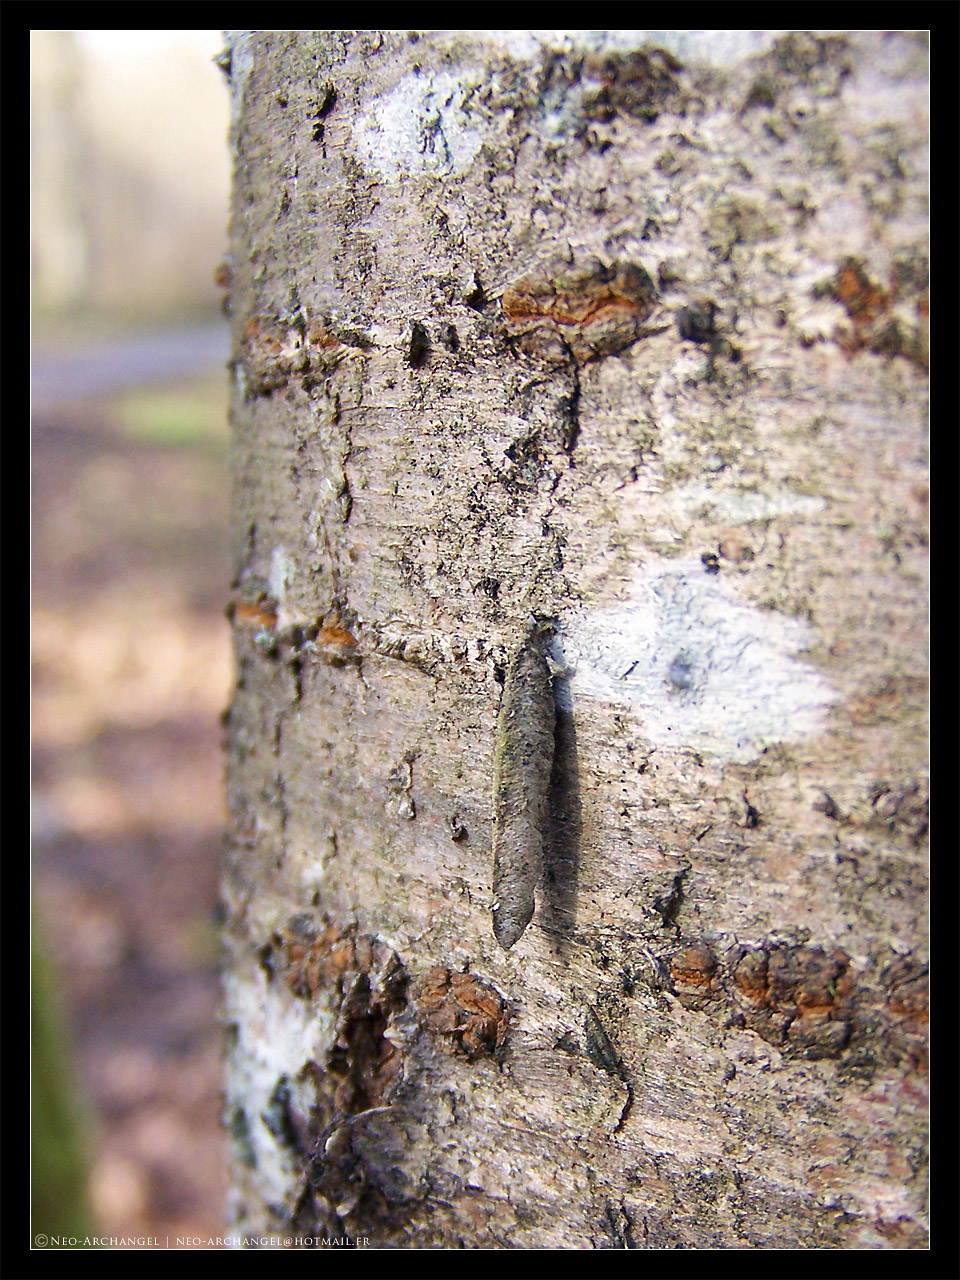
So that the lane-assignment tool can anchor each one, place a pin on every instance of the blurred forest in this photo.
(129, 173)
(130, 646)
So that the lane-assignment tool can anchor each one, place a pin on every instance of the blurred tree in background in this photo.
(58, 1183)
(128, 171)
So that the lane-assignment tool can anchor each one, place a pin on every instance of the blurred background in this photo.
(130, 646)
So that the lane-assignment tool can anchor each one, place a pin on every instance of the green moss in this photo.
(675, 472)
(735, 220)
(239, 1129)
(762, 93)
(824, 147)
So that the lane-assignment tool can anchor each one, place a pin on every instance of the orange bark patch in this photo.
(864, 300)
(245, 614)
(579, 295)
(335, 643)
(467, 1014)
(878, 325)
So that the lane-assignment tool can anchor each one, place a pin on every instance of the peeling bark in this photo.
(626, 344)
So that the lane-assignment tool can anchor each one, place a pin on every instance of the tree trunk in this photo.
(579, 412)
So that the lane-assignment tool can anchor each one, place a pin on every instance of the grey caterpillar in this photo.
(523, 759)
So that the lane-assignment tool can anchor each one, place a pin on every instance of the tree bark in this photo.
(594, 363)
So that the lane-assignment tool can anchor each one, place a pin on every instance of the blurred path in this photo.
(60, 378)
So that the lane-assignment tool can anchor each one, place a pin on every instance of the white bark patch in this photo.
(721, 48)
(718, 48)
(283, 570)
(241, 64)
(423, 125)
(742, 507)
(702, 668)
(278, 1036)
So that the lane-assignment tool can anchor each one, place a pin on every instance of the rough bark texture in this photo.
(619, 337)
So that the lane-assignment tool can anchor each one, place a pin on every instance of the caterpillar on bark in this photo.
(522, 763)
